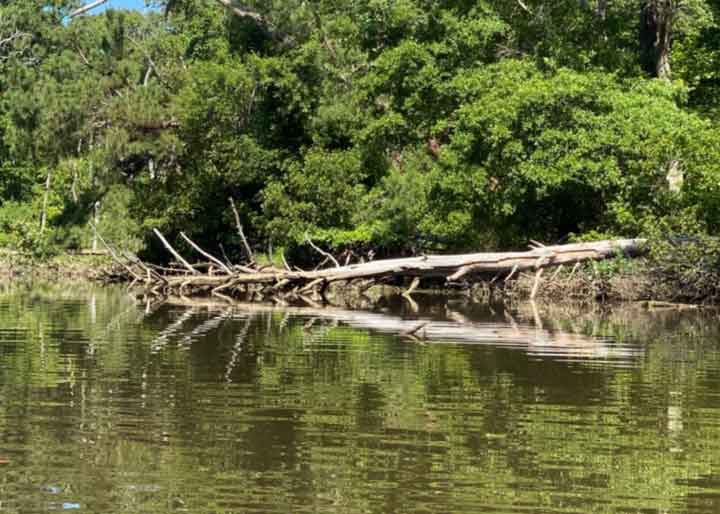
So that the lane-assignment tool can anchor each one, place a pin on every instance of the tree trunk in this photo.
(43, 215)
(656, 32)
(96, 218)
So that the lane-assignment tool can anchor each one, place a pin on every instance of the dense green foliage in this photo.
(396, 125)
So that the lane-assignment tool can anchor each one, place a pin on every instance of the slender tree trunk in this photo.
(662, 64)
(601, 10)
(96, 209)
(43, 215)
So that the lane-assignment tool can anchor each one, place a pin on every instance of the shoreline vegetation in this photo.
(606, 272)
(296, 137)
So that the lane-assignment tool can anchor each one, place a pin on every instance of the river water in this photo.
(109, 407)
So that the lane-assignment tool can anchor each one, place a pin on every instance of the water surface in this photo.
(107, 406)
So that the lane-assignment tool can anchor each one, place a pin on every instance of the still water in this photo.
(109, 407)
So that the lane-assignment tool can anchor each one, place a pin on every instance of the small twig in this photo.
(244, 269)
(524, 6)
(572, 273)
(415, 330)
(285, 262)
(496, 278)
(223, 287)
(310, 302)
(311, 285)
(557, 272)
(152, 67)
(412, 288)
(462, 272)
(322, 252)
(322, 263)
(414, 307)
(241, 233)
(150, 273)
(536, 315)
(281, 284)
(174, 252)
(227, 260)
(116, 258)
(205, 254)
(512, 272)
(536, 285)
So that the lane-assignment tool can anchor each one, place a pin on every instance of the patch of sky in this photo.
(140, 5)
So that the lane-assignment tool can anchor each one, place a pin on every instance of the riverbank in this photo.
(676, 278)
(75, 266)
(611, 281)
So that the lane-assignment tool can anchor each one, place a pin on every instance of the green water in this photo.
(109, 407)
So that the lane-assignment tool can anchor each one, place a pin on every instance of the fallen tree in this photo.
(222, 279)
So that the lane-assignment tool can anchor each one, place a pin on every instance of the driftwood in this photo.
(224, 280)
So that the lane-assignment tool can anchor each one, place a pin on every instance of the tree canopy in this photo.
(392, 125)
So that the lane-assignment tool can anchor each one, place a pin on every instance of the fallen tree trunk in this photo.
(235, 280)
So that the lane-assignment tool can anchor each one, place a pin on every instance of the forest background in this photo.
(377, 127)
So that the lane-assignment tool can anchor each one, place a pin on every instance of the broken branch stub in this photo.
(241, 232)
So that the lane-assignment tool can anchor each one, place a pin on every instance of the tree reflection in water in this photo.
(108, 407)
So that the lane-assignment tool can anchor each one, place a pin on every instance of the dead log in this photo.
(452, 268)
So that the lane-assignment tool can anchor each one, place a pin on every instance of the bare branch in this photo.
(524, 6)
(285, 262)
(174, 252)
(536, 284)
(412, 288)
(13, 37)
(205, 254)
(241, 233)
(152, 67)
(322, 252)
(243, 13)
(116, 258)
(86, 8)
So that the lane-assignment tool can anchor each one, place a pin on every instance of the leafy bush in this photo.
(684, 260)
(553, 153)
